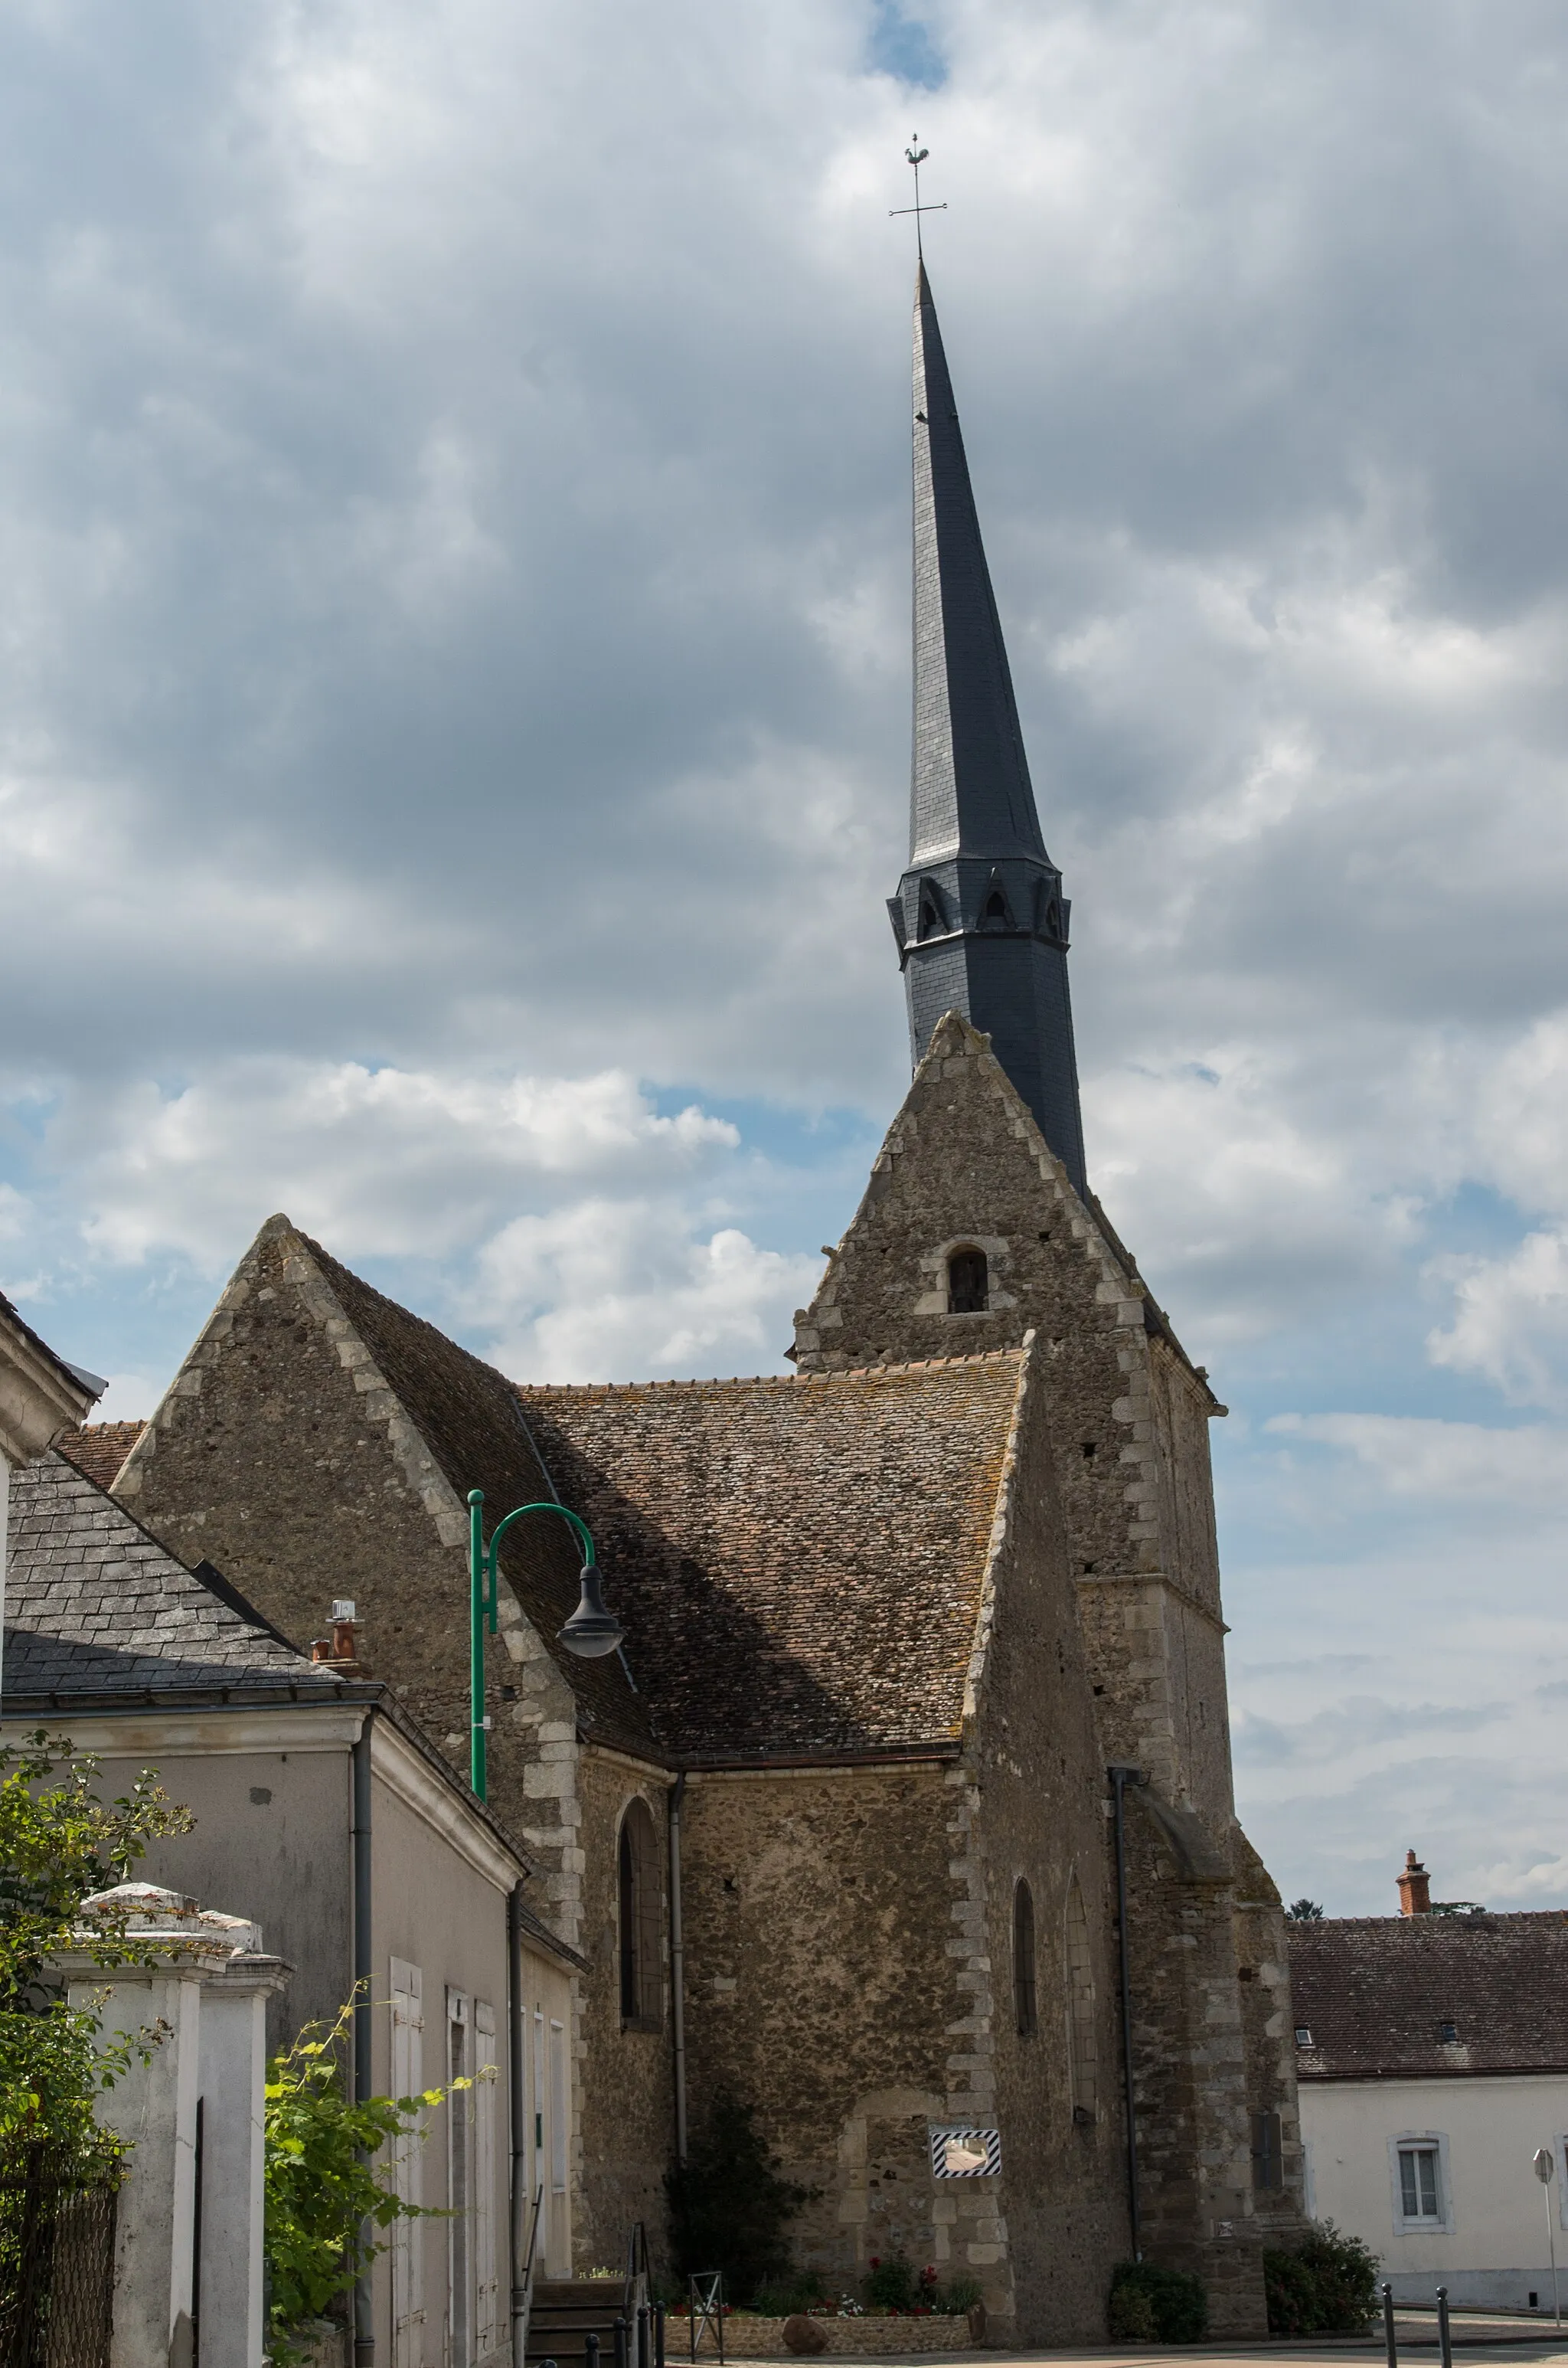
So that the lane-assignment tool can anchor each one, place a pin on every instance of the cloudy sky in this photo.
(453, 730)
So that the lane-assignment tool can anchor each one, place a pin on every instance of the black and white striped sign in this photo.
(963, 2153)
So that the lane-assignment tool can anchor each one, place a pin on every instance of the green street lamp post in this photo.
(592, 1630)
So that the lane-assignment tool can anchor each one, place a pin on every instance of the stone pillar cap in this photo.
(147, 1907)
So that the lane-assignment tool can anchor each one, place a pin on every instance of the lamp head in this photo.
(593, 1629)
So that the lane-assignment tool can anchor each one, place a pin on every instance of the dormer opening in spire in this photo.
(977, 857)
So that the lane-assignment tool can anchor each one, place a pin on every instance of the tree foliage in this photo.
(1304, 1911)
(1326, 2285)
(328, 2198)
(728, 2205)
(59, 1842)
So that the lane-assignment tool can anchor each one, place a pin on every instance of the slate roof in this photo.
(1376, 1992)
(78, 1380)
(96, 1606)
(798, 1562)
(99, 1449)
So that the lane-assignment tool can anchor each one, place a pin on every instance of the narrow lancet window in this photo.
(1023, 1958)
(968, 1283)
(641, 1972)
(1082, 2054)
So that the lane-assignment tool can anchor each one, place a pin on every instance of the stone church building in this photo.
(923, 1646)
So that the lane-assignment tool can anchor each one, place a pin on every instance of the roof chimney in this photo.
(1414, 1887)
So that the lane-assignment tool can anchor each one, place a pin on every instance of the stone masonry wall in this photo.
(627, 2123)
(823, 1990)
(964, 1164)
(1036, 1789)
(281, 1455)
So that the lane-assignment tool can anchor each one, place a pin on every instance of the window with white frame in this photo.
(1419, 2163)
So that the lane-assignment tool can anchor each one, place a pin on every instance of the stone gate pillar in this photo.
(198, 1999)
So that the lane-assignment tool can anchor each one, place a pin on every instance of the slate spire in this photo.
(979, 917)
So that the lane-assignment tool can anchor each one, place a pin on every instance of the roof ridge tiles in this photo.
(770, 1380)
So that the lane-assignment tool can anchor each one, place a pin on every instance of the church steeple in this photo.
(979, 917)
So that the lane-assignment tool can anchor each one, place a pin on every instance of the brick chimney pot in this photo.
(1414, 1887)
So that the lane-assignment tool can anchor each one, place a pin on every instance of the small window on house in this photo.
(1023, 1958)
(968, 1283)
(1303, 2036)
(1082, 2054)
(1448, 2032)
(641, 1972)
(1420, 2191)
(1266, 2171)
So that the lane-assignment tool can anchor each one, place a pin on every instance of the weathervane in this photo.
(917, 155)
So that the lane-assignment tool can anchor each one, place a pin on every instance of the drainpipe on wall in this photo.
(677, 1968)
(1121, 1778)
(363, 2308)
(516, 2040)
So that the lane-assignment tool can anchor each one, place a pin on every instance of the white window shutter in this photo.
(407, 2080)
(485, 2108)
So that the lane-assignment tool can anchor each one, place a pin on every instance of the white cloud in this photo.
(1511, 1320)
(601, 1291)
(377, 1162)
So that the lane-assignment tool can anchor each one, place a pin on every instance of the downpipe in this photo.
(1120, 1777)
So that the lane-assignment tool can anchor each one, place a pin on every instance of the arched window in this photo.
(641, 1972)
(968, 1283)
(1023, 1958)
(996, 907)
(933, 920)
(1082, 2050)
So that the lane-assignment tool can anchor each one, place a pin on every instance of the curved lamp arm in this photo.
(592, 1631)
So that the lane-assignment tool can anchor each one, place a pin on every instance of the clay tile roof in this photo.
(798, 1562)
(1377, 1992)
(94, 1605)
(99, 1449)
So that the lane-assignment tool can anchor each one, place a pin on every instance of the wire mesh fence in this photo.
(57, 2216)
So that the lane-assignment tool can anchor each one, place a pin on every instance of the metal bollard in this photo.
(1444, 2341)
(1390, 2345)
(658, 2335)
(622, 2360)
(645, 2334)
(591, 2349)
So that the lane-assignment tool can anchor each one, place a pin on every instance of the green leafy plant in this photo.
(59, 1842)
(1325, 2285)
(1148, 2305)
(326, 2199)
(729, 2205)
(803, 2290)
(892, 2284)
(959, 2295)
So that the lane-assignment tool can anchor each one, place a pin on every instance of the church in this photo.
(904, 1812)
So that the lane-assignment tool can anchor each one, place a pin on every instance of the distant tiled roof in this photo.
(1376, 1994)
(99, 1449)
(94, 1605)
(798, 1563)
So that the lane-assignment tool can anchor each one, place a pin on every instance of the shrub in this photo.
(960, 2294)
(802, 2290)
(892, 2284)
(1326, 2285)
(1148, 2305)
(59, 1842)
(729, 2207)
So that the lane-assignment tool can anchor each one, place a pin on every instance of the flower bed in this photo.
(866, 2336)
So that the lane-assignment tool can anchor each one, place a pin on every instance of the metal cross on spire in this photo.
(916, 157)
